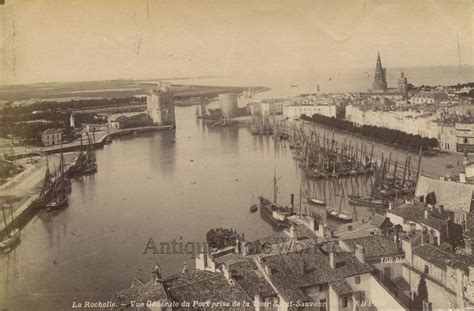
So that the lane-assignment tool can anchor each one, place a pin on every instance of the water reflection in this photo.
(164, 185)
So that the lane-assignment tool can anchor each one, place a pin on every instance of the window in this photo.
(345, 302)
(357, 279)
(465, 140)
(427, 269)
(322, 305)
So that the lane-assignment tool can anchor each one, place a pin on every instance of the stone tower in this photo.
(380, 80)
(160, 105)
(403, 85)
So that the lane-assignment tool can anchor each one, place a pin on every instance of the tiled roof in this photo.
(140, 292)
(358, 229)
(52, 131)
(204, 286)
(375, 246)
(291, 272)
(417, 214)
(454, 196)
(251, 279)
(443, 258)
(341, 287)
(377, 220)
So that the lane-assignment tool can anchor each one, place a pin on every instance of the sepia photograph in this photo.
(270, 155)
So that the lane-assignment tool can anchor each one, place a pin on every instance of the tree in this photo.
(420, 295)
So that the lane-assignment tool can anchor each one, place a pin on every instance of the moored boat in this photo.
(367, 201)
(316, 201)
(12, 238)
(58, 203)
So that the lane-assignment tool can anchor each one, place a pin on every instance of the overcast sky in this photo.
(58, 40)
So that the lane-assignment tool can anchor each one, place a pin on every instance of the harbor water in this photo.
(168, 186)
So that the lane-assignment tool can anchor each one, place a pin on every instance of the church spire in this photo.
(380, 80)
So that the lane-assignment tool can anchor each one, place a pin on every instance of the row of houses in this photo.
(452, 136)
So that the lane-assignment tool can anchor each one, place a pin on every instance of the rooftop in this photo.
(442, 258)
(452, 195)
(375, 246)
(204, 286)
(52, 131)
(292, 272)
(416, 214)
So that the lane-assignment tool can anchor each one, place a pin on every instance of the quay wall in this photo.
(97, 144)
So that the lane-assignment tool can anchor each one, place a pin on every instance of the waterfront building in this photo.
(267, 107)
(129, 120)
(380, 79)
(160, 105)
(52, 137)
(228, 104)
(294, 111)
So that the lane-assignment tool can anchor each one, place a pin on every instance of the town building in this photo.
(380, 79)
(449, 276)
(294, 111)
(160, 105)
(129, 120)
(52, 137)
(464, 136)
(431, 97)
(453, 197)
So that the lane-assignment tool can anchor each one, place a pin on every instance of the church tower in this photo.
(403, 85)
(380, 80)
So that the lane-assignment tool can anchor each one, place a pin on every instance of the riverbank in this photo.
(26, 186)
(22, 191)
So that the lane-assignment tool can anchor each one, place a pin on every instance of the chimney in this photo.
(390, 205)
(245, 248)
(332, 261)
(238, 245)
(426, 213)
(313, 224)
(431, 237)
(359, 253)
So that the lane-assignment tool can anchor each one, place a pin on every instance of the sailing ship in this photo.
(273, 212)
(367, 201)
(13, 237)
(85, 163)
(339, 214)
(60, 189)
